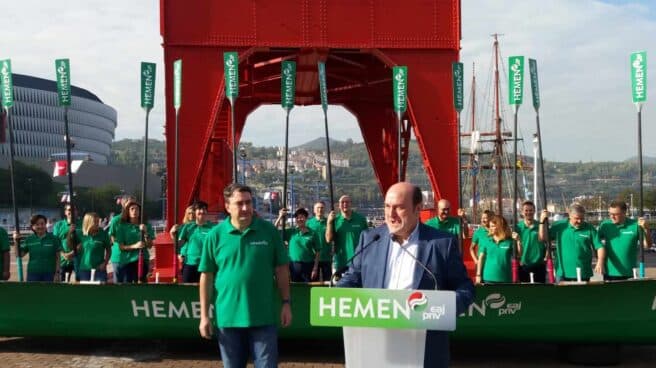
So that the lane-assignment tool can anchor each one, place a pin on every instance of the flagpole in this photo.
(324, 105)
(19, 259)
(144, 179)
(515, 264)
(68, 158)
(177, 102)
(515, 91)
(640, 197)
(287, 99)
(638, 65)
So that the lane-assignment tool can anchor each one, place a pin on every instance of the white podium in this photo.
(382, 327)
(379, 347)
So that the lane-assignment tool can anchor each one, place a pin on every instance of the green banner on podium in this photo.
(384, 308)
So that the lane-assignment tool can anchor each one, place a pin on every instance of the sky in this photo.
(582, 48)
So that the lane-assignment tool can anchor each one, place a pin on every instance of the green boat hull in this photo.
(611, 312)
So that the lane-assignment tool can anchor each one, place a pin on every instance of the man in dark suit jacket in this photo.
(436, 249)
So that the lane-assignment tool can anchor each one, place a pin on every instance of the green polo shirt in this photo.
(621, 244)
(302, 246)
(574, 248)
(4, 247)
(346, 236)
(60, 230)
(533, 250)
(496, 266)
(116, 251)
(193, 236)
(451, 224)
(43, 252)
(128, 233)
(319, 227)
(480, 235)
(244, 266)
(93, 248)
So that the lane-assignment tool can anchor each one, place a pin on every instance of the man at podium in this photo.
(406, 254)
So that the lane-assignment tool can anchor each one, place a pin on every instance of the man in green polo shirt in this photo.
(575, 240)
(454, 225)
(620, 238)
(61, 230)
(533, 250)
(4, 254)
(318, 225)
(240, 258)
(344, 229)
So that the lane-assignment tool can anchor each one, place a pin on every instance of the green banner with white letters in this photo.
(177, 83)
(231, 74)
(535, 86)
(415, 309)
(148, 85)
(516, 80)
(400, 88)
(63, 70)
(639, 76)
(6, 83)
(458, 89)
(323, 89)
(288, 85)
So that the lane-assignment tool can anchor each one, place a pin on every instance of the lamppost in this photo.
(242, 154)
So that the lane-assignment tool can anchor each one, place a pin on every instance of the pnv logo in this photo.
(417, 302)
(494, 302)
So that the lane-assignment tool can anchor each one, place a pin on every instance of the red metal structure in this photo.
(360, 41)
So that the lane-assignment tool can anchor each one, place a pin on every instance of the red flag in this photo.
(61, 169)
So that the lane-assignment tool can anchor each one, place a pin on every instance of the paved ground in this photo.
(33, 353)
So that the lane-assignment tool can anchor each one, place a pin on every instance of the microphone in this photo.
(432, 275)
(350, 260)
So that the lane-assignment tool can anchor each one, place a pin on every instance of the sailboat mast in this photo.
(499, 141)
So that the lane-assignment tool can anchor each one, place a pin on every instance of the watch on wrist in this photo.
(286, 301)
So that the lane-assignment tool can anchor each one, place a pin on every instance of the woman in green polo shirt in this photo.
(192, 236)
(93, 247)
(495, 253)
(128, 235)
(482, 232)
(44, 249)
(303, 246)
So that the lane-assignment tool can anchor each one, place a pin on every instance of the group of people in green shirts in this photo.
(615, 243)
(318, 244)
(83, 247)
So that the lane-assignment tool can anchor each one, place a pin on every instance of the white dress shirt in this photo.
(400, 265)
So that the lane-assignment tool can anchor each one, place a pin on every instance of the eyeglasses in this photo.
(445, 209)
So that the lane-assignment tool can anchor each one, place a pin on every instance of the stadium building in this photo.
(38, 122)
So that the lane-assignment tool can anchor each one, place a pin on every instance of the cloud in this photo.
(582, 48)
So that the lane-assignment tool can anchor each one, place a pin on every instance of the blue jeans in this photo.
(236, 343)
(126, 273)
(86, 276)
(40, 276)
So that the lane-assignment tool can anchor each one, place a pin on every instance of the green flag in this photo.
(516, 80)
(458, 94)
(231, 74)
(63, 69)
(288, 84)
(177, 83)
(535, 86)
(400, 82)
(6, 84)
(639, 76)
(323, 89)
(148, 85)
